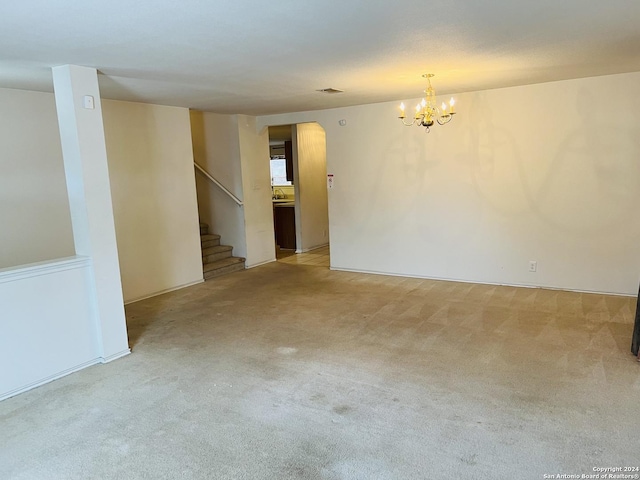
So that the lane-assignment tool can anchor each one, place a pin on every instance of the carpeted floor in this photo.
(298, 372)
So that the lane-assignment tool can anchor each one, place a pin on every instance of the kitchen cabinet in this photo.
(284, 219)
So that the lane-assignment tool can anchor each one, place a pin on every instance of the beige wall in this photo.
(523, 173)
(256, 179)
(154, 197)
(35, 224)
(547, 172)
(216, 148)
(152, 182)
(231, 150)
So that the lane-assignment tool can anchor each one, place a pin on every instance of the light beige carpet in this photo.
(297, 372)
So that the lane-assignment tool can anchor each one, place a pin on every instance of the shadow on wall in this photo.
(582, 176)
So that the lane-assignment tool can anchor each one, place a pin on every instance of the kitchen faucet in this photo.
(275, 195)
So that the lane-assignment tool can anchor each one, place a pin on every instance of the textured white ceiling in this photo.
(258, 57)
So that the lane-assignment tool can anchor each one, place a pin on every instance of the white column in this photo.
(85, 163)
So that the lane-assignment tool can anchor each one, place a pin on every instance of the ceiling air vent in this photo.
(330, 90)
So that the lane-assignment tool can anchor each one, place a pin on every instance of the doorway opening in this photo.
(298, 166)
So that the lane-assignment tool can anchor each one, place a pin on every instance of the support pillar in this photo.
(85, 163)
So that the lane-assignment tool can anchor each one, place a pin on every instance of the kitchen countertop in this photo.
(283, 202)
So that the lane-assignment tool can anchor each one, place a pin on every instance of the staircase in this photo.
(217, 259)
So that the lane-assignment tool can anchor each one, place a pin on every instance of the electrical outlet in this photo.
(533, 266)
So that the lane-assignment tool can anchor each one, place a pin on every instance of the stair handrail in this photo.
(219, 185)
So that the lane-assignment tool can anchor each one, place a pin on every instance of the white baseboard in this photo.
(172, 289)
(48, 379)
(115, 356)
(305, 250)
(260, 263)
(517, 285)
(64, 373)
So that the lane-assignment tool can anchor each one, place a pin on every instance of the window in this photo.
(279, 171)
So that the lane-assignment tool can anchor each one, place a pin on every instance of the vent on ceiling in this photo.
(330, 90)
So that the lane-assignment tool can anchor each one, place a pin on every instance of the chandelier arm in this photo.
(408, 124)
(427, 111)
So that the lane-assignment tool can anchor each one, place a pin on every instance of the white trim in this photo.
(115, 356)
(50, 378)
(48, 267)
(312, 248)
(517, 285)
(161, 292)
(64, 373)
(247, 267)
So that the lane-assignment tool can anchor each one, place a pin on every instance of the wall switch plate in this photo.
(533, 266)
(88, 102)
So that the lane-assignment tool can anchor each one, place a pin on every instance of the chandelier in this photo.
(427, 111)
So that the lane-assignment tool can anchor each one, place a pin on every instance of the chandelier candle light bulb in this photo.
(427, 111)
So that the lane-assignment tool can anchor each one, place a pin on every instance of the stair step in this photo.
(222, 263)
(217, 259)
(209, 240)
(218, 252)
(220, 267)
